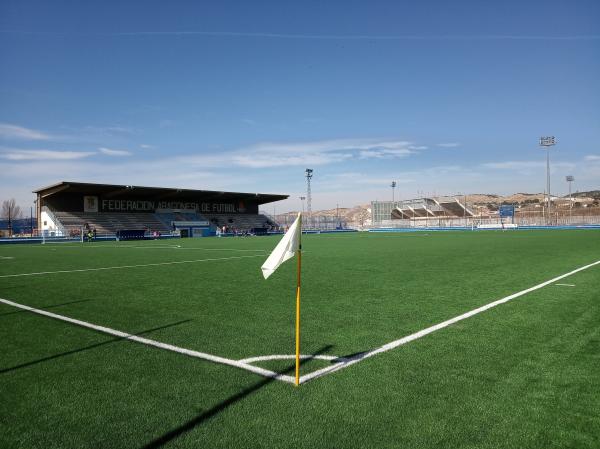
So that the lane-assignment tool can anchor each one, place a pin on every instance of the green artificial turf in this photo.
(522, 375)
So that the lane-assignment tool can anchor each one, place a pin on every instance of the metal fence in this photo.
(313, 222)
(519, 220)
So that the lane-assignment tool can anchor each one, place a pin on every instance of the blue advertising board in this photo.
(507, 210)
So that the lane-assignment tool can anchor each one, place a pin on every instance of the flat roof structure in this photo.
(116, 191)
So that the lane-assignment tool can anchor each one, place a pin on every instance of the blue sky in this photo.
(439, 96)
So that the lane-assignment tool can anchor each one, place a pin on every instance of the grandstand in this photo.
(66, 208)
(420, 210)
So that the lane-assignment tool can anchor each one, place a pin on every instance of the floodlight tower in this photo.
(546, 142)
(393, 186)
(570, 179)
(308, 173)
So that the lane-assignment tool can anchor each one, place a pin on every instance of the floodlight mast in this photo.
(570, 179)
(546, 142)
(393, 186)
(309, 174)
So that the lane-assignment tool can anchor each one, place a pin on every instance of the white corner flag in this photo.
(285, 249)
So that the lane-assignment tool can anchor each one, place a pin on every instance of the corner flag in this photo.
(285, 250)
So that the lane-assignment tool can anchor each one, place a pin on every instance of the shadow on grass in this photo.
(212, 412)
(96, 345)
(45, 307)
(347, 357)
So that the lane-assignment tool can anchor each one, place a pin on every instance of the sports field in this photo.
(152, 344)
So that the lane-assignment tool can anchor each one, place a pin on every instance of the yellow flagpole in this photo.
(297, 383)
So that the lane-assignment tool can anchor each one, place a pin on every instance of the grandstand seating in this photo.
(440, 207)
(167, 218)
(454, 206)
(110, 223)
(241, 222)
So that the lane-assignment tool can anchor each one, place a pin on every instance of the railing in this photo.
(519, 220)
(269, 216)
(60, 230)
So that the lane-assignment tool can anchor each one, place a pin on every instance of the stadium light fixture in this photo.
(546, 142)
(570, 179)
(309, 174)
(393, 186)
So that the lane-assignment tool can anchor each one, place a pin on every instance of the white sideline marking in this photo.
(78, 245)
(344, 363)
(265, 358)
(130, 266)
(6, 257)
(223, 249)
(157, 344)
(566, 285)
(402, 341)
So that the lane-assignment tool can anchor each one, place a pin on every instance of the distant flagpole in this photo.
(297, 383)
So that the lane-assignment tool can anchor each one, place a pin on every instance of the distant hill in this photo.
(361, 215)
(589, 194)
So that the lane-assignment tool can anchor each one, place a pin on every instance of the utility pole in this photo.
(546, 142)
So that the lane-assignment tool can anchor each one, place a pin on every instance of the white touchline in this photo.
(88, 246)
(336, 366)
(81, 270)
(157, 344)
(402, 341)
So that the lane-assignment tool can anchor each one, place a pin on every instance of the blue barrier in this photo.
(468, 228)
(107, 238)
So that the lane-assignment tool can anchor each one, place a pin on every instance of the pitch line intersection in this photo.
(337, 363)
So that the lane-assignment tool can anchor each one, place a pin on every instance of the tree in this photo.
(10, 211)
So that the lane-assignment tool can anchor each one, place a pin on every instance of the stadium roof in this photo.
(126, 191)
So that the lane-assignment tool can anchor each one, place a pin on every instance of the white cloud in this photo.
(32, 155)
(145, 146)
(113, 130)
(527, 165)
(592, 157)
(8, 131)
(384, 153)
(110, 152)
(166, 123)
(265, 161)
(448, 145)
(273, 154)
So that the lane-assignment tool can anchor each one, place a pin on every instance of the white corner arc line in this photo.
(402, 341)
(157, 344)
(266, 358)
(156, 264)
